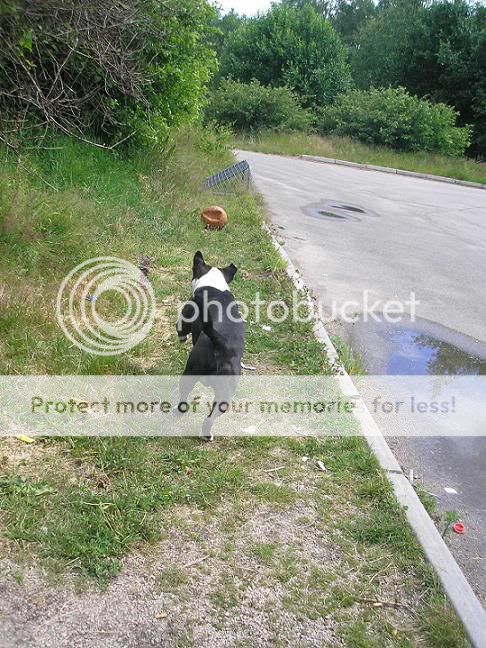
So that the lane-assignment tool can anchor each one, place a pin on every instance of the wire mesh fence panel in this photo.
(239, 172)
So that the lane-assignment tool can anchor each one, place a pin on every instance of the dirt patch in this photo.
(245, 574)
(269, 565)
(201, 586)
(39, 459)
(26, 458)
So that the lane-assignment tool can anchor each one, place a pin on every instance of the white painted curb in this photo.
(372, 167)
(457, 588)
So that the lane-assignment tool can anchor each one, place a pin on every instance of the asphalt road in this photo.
(352, 231)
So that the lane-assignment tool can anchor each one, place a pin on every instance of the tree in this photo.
(438, 51)
(289, 47)
(349, 16)
(447, 60)
(224, 25)
(323, 7)
(383, 43)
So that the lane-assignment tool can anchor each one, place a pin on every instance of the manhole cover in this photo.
(350, 208)
(333, 210)
(329, 214)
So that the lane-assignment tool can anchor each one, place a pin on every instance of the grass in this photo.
(172, 579)
(108, 203)
(264, 551)
(128, 207)
(341, 148)
(80, 505)
(91, 528)
(440, 626)
(352, 361)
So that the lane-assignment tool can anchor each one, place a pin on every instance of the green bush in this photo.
(433, 49)
(253, 107)
(108, 69)
(392, 117)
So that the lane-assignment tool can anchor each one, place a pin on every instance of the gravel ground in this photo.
(137, 610)
(251, 572)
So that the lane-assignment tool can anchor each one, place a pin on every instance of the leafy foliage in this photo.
(224, 25)
(350, 15)
(289, 47)
(378, 59)
(395, 118)
(106, 67)
(436, 50)
(323, 7)
(252, 107)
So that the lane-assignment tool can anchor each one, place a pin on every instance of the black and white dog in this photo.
(218, 337)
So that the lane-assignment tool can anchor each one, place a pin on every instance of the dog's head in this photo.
(204, 275)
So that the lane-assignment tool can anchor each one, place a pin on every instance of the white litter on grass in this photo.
(321, 466)
(266, 328)
(451, 491)
(247, 367)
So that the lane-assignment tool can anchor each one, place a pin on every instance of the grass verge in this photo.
(327, 546)
(341, 148)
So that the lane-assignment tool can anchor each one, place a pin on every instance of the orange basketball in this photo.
(214, 217)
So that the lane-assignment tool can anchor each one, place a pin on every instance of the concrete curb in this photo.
(371, 167)
(457, 588)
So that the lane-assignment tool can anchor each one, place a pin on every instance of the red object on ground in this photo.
(459, 527)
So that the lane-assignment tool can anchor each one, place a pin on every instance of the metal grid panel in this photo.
(240, 170)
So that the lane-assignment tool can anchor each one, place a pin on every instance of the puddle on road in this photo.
(337, 211)
(416, 348)
(422, 348)
(442, 453)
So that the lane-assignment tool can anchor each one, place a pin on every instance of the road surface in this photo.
(352, 231)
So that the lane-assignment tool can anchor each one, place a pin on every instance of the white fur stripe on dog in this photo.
(212, 279)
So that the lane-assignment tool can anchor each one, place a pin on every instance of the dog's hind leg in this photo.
(218, 408)
(224, 392)
(186, 385)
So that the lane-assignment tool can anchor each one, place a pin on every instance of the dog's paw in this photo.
(208, 438)
(183, 338)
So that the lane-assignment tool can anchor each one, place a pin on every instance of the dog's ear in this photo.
(229, 272)
(199, 268)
